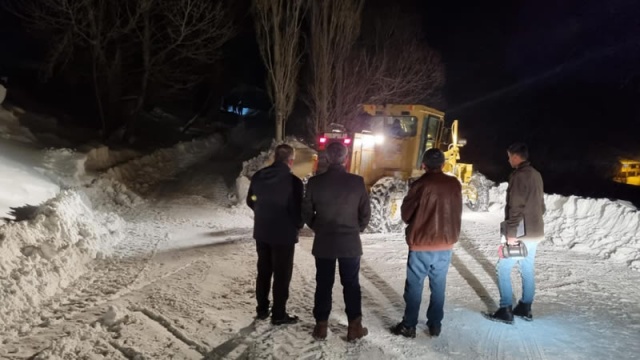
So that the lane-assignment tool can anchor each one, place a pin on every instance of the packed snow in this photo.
(150, 256)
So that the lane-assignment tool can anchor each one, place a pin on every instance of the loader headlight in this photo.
(368, 141)
(379, 139)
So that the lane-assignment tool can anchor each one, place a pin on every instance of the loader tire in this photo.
(386, 198)
(481, 185)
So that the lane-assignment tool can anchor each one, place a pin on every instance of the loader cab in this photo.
(628, 172)
(393, 139)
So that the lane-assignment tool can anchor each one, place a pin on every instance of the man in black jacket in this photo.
(336, 207)
(275, 195)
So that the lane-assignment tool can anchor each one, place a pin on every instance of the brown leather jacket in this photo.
(433, 211)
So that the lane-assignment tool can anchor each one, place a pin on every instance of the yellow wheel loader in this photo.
(628, 172)
(387, 153)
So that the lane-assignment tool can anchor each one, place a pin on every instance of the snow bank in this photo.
(65, 166)
(164, 164)
(10, 128)
(251, 166)
(102, 157)
(20, 184)
(606, 228)
(40, 257)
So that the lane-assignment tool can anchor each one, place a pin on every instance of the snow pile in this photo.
(264, 159)
(65, 166)
(164, 164)
(20, 185)
(102, 157)
(602, 227)
(599, 226)
(41, 256)
(10, 128)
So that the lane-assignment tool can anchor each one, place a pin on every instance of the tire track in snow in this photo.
(165, 323)
(261, 340)
(468, 261)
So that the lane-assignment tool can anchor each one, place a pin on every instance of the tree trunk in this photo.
(280, 123)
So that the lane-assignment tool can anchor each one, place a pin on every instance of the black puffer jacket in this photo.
(275, 195)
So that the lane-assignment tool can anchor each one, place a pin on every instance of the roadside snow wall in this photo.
(252, 166)
(606, 228)
(42, 256)
(138, 174)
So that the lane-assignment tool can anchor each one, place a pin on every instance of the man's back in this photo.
(337, 209)
(525, 201)
(275, 195)
(433, 210)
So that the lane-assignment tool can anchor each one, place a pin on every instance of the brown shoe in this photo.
(356, 330)
(320, 330)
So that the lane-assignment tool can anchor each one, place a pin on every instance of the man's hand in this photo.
(512, 241)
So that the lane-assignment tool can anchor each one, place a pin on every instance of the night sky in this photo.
(563, 76)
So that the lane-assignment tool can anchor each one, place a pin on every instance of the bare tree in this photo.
(131, 44)
(334, 29)
(176, 37)
(278, 28)
(73, 25)
(390, 64)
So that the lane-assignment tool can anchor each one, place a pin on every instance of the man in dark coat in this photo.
(275, 195)
(525, 205)
(336, 207)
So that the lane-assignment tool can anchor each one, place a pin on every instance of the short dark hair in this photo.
(284, 153)
(519, 149)
(433, 158)
(336, 153)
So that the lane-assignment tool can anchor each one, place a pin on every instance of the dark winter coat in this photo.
(336, 207)
(433, 210)
(275, 195)
(525, 200)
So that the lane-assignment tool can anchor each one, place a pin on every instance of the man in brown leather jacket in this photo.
(433, 211)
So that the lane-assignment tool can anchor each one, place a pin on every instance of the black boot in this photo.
(434, 330)
(400, 329)
(285, 320)
(523, 310)
(504, 314)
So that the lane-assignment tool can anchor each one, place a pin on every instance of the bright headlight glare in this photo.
(379, 139)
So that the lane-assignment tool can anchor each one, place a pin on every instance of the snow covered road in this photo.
(197, 302)
(103, 273)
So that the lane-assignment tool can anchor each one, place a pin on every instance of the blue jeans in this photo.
(420, 264)
(527, 272)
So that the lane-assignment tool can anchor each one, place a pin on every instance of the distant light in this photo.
(323, 140)
(347, 141)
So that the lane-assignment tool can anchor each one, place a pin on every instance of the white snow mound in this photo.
(164, 164)
(606, 228)
(40, 257)
(251, 166)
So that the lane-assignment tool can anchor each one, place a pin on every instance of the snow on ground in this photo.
(609, 229)
(179, 282)
(63, 232)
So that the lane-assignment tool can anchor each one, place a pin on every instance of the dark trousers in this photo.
(349, 269)
(276, 260)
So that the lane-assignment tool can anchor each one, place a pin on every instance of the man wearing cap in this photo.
(433, 211)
